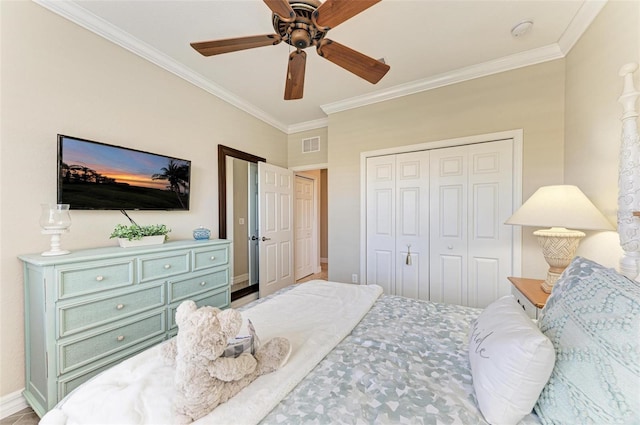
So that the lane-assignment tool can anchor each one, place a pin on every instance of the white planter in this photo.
(146, 240)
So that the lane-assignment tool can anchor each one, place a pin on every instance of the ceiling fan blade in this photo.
(282, 8)
(332, 13)
(355, 62)
(217, 47)
(294, 86)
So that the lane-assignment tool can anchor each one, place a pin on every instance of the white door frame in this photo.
(516, 135)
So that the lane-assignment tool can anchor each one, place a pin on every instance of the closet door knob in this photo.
(167, 266)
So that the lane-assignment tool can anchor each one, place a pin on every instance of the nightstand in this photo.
(529, 294)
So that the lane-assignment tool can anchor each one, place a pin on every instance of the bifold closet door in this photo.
(397, 223)
(471, 197)
(381, 217)
(412, 225)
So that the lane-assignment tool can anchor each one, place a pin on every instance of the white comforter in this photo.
(314, 316)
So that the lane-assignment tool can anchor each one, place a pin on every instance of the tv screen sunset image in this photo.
(99, 176)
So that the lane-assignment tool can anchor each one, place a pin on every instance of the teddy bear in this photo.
(203, 378)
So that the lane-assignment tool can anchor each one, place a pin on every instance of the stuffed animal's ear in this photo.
(184, 310)
(230, 321)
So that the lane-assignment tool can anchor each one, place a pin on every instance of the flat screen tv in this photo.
(98, 176)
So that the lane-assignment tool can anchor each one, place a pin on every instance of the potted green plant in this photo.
(135, 235)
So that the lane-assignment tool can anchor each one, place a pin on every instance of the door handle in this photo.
(254, 238)
(265, 239)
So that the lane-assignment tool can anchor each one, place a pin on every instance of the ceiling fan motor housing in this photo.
(301, 33)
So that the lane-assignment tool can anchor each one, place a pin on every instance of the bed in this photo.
(361, 357)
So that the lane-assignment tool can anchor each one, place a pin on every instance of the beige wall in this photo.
(59, 78)
(531, 99)
(592, 115)
(298, 159)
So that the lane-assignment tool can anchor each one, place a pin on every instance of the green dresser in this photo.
(90, 309)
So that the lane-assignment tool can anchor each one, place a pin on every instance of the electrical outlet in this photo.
(241, 221)
(354, 278)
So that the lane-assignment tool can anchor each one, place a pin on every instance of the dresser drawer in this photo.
(162, 266)
(71, 381)
(212, 257)
(80, 316)
(87, 278)
(187, 288)
(218, 299)
(79, 352)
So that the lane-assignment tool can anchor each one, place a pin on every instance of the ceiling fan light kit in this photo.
(301, 24)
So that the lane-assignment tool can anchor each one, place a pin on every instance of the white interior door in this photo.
(448, 180)
(490, 205)
(472, 195)
(304, 220)
(412, 225)
(275, 210)
(381, 218)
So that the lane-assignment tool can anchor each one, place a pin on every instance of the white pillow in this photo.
(511, 361)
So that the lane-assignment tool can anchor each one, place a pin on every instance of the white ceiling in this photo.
(427, 43)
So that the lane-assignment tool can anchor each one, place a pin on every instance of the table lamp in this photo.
(559, 208)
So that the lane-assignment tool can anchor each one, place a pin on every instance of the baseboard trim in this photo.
(12, 403)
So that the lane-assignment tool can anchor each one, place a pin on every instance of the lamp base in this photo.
(558, 247)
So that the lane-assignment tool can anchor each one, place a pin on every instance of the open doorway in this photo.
(311, 234)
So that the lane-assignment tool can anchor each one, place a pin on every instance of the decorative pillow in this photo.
(594, 325)
(511, 361)
(579, 270)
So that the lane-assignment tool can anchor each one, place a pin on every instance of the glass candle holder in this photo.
(55, 220)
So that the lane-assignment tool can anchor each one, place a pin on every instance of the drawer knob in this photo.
(203, 283)
(120, 338)
(213, 257)
(120, 306)
(167, 266)
(100, 278)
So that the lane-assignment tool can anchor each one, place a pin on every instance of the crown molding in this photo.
(585, 15)
(308, 125)
(579, 24)
(507, 63)
(99, 26)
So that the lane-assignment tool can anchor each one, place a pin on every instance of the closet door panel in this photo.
(412, 226)
(448, 224)
(381, 222)
(490, 204)
(451, 270)
(383, 270)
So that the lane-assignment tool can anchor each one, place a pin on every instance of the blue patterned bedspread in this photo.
(405, 362)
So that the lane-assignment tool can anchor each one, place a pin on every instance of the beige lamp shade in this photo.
(559, 207)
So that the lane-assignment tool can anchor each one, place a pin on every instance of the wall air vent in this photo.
(312, 144)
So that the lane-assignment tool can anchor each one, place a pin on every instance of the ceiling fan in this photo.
(304, 23)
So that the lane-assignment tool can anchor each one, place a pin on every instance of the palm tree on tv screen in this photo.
(177, 175)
